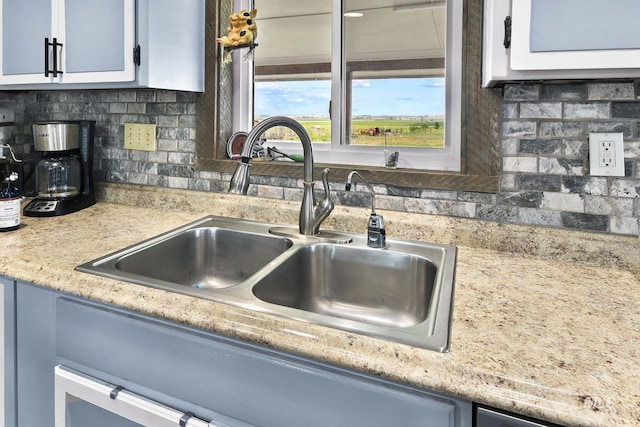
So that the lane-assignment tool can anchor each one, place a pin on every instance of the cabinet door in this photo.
(35, 346)
(575, 34)
(96, 40)
(553, 59)
(99, 37)
(25, 25)
(7, 353)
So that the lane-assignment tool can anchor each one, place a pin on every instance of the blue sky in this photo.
(376, 97)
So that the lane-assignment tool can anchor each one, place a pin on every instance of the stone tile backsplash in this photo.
(545, 148)
(545, 165)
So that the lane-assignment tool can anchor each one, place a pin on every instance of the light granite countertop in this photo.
(546, 321)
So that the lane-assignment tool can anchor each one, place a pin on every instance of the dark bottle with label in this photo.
(9, 204)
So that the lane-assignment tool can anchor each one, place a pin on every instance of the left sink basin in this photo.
(204, 255)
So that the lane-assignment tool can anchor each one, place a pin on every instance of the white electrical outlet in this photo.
(606, 154)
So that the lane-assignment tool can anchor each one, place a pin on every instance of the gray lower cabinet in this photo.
(7, 353)
(184, 370)
(35, 355)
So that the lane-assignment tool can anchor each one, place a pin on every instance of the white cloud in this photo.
(361, 83)
(435, 84)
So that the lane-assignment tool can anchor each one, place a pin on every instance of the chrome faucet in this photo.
(312, 214)
(376, 234)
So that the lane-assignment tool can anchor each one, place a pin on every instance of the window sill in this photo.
(367, 157)
(409, 178)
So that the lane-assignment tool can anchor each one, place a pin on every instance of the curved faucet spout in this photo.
(349, 182)
(311, 214)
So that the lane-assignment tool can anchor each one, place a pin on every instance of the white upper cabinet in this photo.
(67, 41)
(568, 39)
(80, 44)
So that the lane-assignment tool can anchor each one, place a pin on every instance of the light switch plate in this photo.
(606, 154)
(139, 136)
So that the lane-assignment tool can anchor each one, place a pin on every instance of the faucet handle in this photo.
(326, 204)
(325, 181)
(312, 215)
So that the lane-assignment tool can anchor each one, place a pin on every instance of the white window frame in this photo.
(439, 159)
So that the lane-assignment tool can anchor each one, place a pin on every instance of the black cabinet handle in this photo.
(54, 45)
(46, 56)
(507, 33)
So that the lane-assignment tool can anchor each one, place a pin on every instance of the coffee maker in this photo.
(63, 176)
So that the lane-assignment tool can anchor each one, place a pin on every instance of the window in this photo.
(481, 110)
(361, 75)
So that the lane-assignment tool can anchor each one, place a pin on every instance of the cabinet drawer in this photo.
(247, 382)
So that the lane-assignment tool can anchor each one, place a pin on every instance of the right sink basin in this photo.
(374, 286)
(402, 293)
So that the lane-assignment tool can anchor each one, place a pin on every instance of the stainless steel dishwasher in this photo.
(486, 417)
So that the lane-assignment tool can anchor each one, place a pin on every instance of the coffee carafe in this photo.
(58, 177)
(63, 181)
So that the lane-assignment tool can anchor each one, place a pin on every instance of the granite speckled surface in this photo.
(546, 322)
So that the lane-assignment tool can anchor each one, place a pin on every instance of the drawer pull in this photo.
(185, 419)
(115, 391)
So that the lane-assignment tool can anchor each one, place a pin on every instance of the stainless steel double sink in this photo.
(402, 293)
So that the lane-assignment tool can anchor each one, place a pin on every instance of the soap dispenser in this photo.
(9, 203)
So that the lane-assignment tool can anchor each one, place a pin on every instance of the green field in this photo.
(391, 132)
